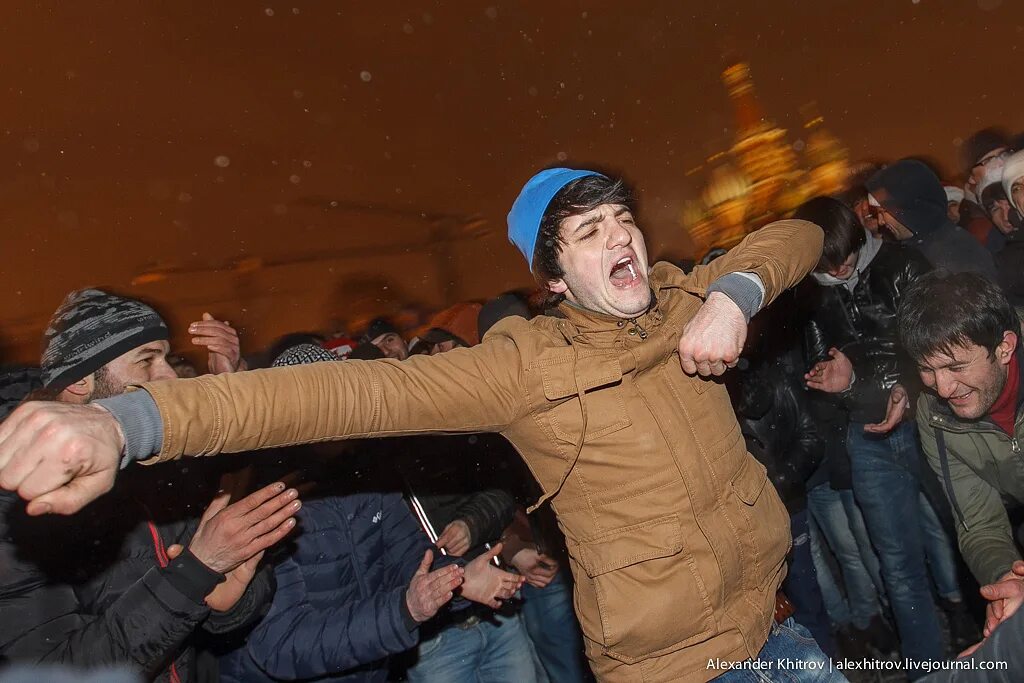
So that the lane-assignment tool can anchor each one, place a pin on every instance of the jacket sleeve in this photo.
(487, 513)
(985, 536)
(476, 389)
(809, 446)
(298, 640)
(43, 622)
(250, 608)
(781, 254)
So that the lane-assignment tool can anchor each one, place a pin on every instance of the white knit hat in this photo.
(993, 176)
(953, 193)
(1013, 169)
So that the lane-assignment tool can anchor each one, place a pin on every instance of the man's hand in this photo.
(221, 340)
(224, 596)
(831, 376)
(59, 456)
(228, 535)
(895, 411)
(455, 539)
(713, 339)
(431, 590)
(488, 585)
(538, 569)
(1005, 597)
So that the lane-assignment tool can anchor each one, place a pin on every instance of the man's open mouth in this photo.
(624, 273)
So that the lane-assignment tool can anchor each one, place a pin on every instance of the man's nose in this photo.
(618, 235)
(945, 386)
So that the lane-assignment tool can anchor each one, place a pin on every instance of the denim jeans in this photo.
(938, 548)
(801, 586)
(885, 482)
(552, 626)
(837, 518)
(789, 656)
(492, 651)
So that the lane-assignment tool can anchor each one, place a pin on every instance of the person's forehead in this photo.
(958, 353)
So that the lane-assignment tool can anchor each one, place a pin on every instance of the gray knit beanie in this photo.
(90, 329)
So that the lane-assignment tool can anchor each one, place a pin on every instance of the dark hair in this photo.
(942, 310)
(843, 232)
(578, 197)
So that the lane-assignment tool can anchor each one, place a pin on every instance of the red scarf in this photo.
(1004, 410)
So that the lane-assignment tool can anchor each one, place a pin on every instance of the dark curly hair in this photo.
(578, 197)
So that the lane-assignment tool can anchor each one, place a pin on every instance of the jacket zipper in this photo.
(639, 329)
(1014, 444)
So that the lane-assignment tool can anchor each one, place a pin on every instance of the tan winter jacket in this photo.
(676, 539)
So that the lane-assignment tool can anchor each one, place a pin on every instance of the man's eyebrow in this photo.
(587, 223)
(624, 209)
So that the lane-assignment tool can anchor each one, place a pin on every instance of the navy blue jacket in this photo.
(340, 600)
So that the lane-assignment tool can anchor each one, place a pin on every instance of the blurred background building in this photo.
(762, 176)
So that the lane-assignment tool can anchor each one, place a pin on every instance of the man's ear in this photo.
(1007, 347)
(80, 391)
(558, 286)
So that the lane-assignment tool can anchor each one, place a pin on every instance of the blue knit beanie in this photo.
(528, 210)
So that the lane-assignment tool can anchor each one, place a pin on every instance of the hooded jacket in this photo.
(676, 539)
(911, 192)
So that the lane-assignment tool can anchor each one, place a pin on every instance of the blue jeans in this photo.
(838, 520)
(552, 626)
(885, 483)
(938, 549)
(789, 656)
(493, 651)
(801, 586)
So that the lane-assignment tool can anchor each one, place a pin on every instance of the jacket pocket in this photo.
(640, 594)
(600, 380)
(763, 524)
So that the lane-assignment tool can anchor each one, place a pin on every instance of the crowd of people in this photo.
(576, 483)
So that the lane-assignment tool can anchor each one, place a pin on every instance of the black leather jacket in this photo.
(779, 431)
(862, 324)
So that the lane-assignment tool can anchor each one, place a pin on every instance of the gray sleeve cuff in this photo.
(139, 418)
(745, 289)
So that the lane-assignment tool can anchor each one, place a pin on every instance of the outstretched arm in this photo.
(60, 457)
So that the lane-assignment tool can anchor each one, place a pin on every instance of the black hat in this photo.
(980, 144)
(377, 328)
(499, 308)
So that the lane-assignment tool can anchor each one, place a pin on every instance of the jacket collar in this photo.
(589, 323)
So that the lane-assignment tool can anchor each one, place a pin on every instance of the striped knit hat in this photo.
(90, 329)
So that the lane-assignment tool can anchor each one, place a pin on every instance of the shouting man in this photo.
(677, 541)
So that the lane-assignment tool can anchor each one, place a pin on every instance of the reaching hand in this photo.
(831, 376)
(895, 411)
(1005, 597)
(224, 596)
(228, 535)
(59, 456)
(455, 539)
(221, 340)
(538, 569)
(430, 590)
(713, 339)
(488, 585)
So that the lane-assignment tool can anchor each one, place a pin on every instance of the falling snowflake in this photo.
(365, 76)
(222, 161)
